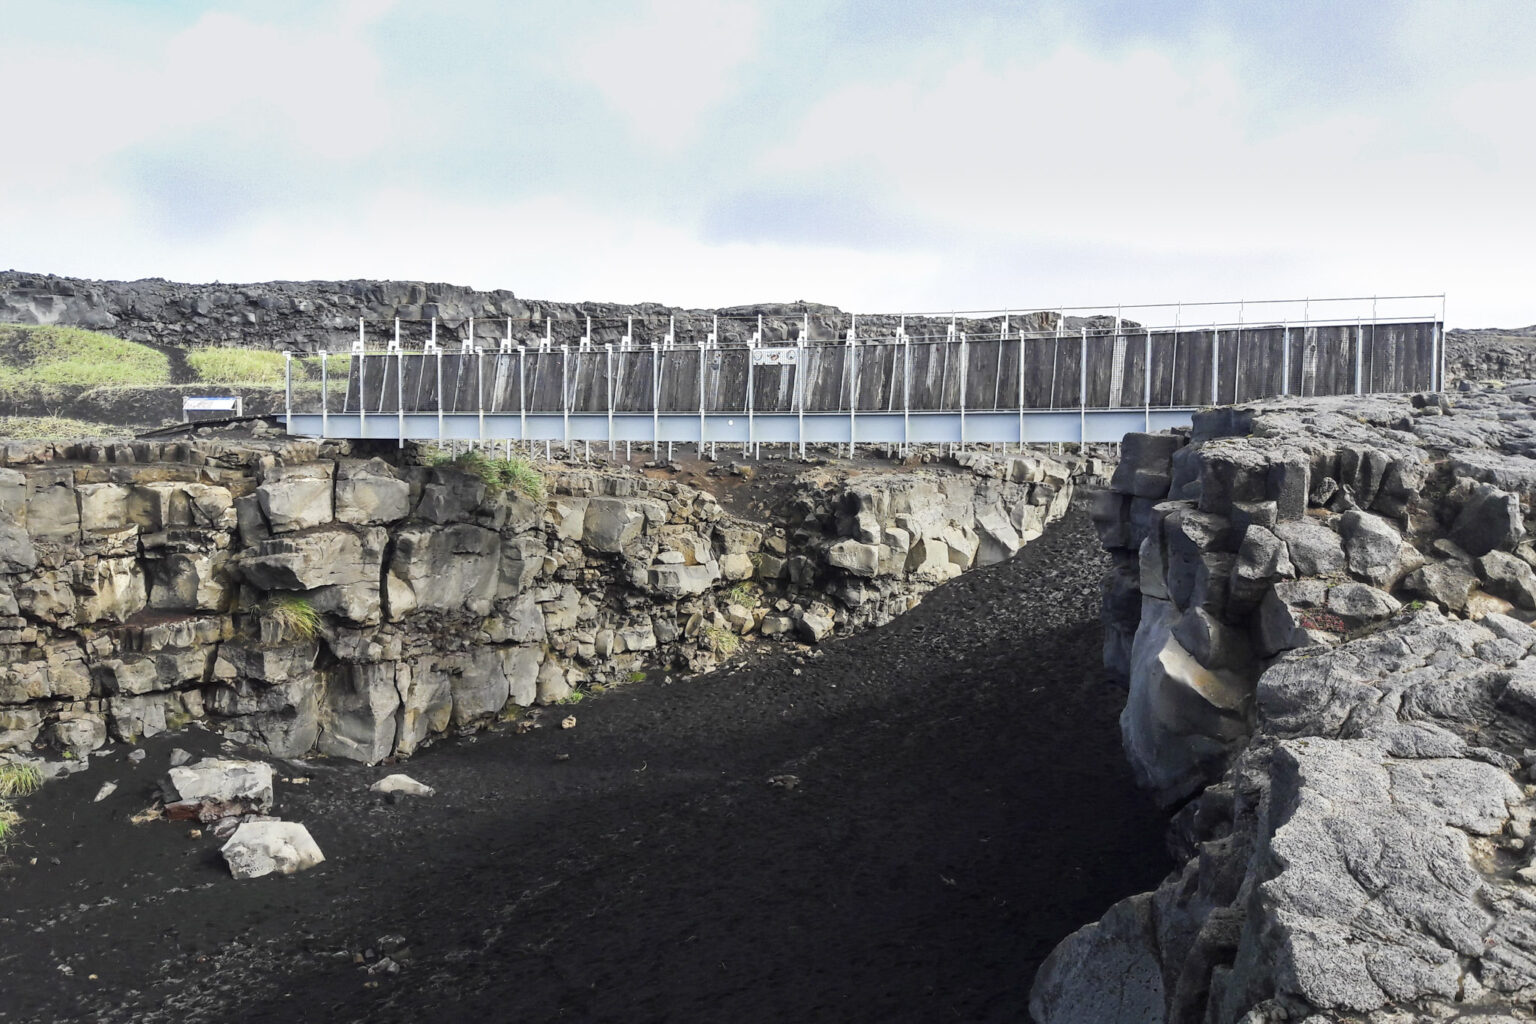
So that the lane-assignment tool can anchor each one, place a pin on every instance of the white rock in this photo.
(261, 847)
(398, 783)
(225, 780)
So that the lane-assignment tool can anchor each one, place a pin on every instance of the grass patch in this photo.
(10, 821)
(32, 357)
(574, 697)
(237, 366)
(293, 616)
(19, 780)
(744, 594)
(500, 475)
(721, 640)
(57, 428)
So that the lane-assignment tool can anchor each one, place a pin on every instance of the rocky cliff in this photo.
(310, 596)
(1321, 610)
(1491, 354)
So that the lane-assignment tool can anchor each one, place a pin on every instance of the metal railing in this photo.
(895, 378)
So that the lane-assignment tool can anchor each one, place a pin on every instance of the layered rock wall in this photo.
(306, 597)
(1321, 609)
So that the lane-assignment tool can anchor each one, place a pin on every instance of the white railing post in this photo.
(906, 384)
(1146, 384)
(656, 399)
(608, 359)
(1359, 352)
(399, 391)
(325, 397)
(1021, 387)
(1061, 324)
(1215, 362)
(565, 394)
(751, 360)
(522, 391)
(362, 388)
(702, 352)
(800, 365)
(480, 390)
(964, 361)
(1441, 334)
(439, 359)
(1082, 391)
(288, 388)
(1237, 354)
(1285, 360)
(853, 389)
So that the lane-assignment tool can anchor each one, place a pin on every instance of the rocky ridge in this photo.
(314, 596)
(308, 316)
(1491, 354)
(1322, 609)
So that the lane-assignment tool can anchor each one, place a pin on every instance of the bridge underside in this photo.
(1031, 426)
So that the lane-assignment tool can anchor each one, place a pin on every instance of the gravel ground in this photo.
(959, 803)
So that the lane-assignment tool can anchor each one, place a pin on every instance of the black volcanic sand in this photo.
(962, 804)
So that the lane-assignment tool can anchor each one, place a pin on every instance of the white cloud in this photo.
(666, 68)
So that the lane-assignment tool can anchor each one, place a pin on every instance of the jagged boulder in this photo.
(369, 493)
(1180, 717)
(1489, 520)
(445, 569)
(297, 497)
(1371, 546)
(610, 524)
(358, 714)
(1314, 549)
(1506, 576)
(260, 848)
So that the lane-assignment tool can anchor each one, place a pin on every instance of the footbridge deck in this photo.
(890, 380)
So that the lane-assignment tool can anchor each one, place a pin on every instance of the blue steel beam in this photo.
(1034, 426)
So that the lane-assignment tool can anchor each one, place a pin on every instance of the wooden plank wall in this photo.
(888, 376)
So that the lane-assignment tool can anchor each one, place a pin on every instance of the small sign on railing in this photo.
(789, 356)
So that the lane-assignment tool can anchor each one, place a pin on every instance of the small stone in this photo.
(568, 722)
(106, 790)
(784, 781)
(402, 784)
(179, 757)
(137, 755)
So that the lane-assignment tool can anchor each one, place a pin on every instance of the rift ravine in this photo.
(962, 803)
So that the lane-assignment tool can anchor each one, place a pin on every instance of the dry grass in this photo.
(59, 428)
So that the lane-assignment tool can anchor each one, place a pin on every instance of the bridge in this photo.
(1012, 376)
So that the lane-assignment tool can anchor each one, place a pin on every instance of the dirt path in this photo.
(962, 803)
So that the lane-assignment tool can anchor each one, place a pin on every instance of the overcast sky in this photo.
(904, 155)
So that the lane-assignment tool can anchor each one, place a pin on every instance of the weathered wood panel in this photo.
(1187, 368)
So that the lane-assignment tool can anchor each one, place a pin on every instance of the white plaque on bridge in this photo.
(789, 356)
(208, 403)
